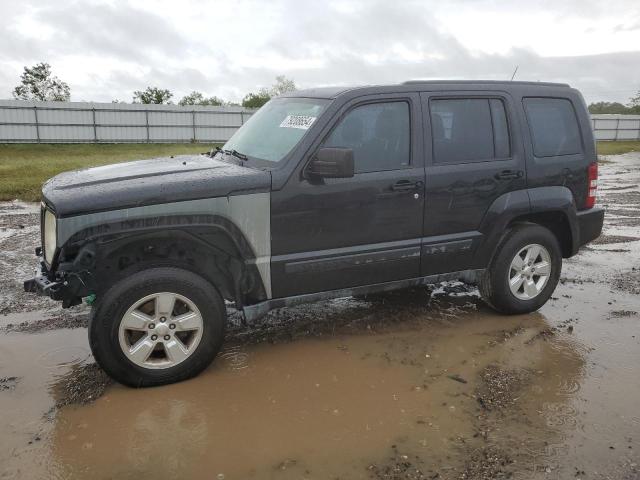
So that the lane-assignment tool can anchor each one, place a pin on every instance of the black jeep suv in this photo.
(323, 193)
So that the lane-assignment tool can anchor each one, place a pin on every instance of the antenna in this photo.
(514, 73)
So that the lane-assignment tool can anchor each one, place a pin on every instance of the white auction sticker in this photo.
(297, 121)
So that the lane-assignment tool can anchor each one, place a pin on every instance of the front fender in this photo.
(212, 247)
(244, 219)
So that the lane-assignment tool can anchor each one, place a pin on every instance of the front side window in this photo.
(468, 130)
(378, 134)
(553, 126)
(272, 132)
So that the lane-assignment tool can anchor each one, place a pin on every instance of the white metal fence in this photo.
(80, 122)
(616, 127)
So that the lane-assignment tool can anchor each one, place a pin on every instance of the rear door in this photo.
(474, 156)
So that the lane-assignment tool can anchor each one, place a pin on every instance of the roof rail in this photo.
(476, 82)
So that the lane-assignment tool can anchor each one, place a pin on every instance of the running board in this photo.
(258, 310)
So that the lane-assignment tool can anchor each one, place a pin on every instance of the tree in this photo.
(256, 100)
(152, 95)
(633, 107)
(37, 83)
(282, 85)
(634, 103)
(196, 98)
(608, 107)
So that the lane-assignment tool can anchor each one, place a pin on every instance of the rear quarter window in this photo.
(553, 126)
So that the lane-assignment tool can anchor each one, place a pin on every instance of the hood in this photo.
(150, 182)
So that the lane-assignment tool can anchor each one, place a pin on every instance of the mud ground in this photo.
(420, 384)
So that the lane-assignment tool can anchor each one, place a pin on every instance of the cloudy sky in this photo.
(107, 49)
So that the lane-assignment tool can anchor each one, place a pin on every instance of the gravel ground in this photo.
(551, 395)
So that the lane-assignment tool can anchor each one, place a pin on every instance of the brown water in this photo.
(356, 389)
(316, 408)
(331, 407)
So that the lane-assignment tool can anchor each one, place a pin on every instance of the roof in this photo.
(322, 92)
(483, 82)
(333, 92)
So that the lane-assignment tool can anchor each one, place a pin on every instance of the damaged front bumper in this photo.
(58, 287)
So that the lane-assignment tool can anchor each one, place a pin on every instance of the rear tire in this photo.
(158, 326)
(524, 271)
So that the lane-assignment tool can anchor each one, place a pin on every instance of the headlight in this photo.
(49, 236)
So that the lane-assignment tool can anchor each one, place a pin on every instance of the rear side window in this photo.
(553, 126)
(468, 130)
(378, 133)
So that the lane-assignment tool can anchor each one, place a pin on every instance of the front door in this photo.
(336, 233)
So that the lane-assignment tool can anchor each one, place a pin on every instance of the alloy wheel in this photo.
(160, 330)
(529, 271)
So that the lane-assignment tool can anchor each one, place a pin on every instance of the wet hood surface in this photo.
(149, 182)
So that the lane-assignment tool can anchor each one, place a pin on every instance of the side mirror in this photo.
(331, 162)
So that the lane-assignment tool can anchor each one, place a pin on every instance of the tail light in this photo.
(592, 185)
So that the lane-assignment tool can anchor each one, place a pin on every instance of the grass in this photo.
(25, 167)
(617, 148)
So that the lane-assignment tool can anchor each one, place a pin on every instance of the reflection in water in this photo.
(36, 360)
(66, 356)
(235, 357)
(559, 414)
(321, 408)
(170, 434)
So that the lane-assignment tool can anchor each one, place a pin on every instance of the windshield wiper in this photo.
(237, 154)
(234, 153)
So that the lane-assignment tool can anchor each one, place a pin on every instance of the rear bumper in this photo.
(589, 225)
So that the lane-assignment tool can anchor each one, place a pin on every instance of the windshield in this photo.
(276, 128)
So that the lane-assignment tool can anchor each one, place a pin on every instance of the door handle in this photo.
(508, 174)
(406, 186)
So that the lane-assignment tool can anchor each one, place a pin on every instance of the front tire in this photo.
(158, 326)
(524, 271)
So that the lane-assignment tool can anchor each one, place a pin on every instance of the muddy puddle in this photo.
(424, 384)
(312, 408)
